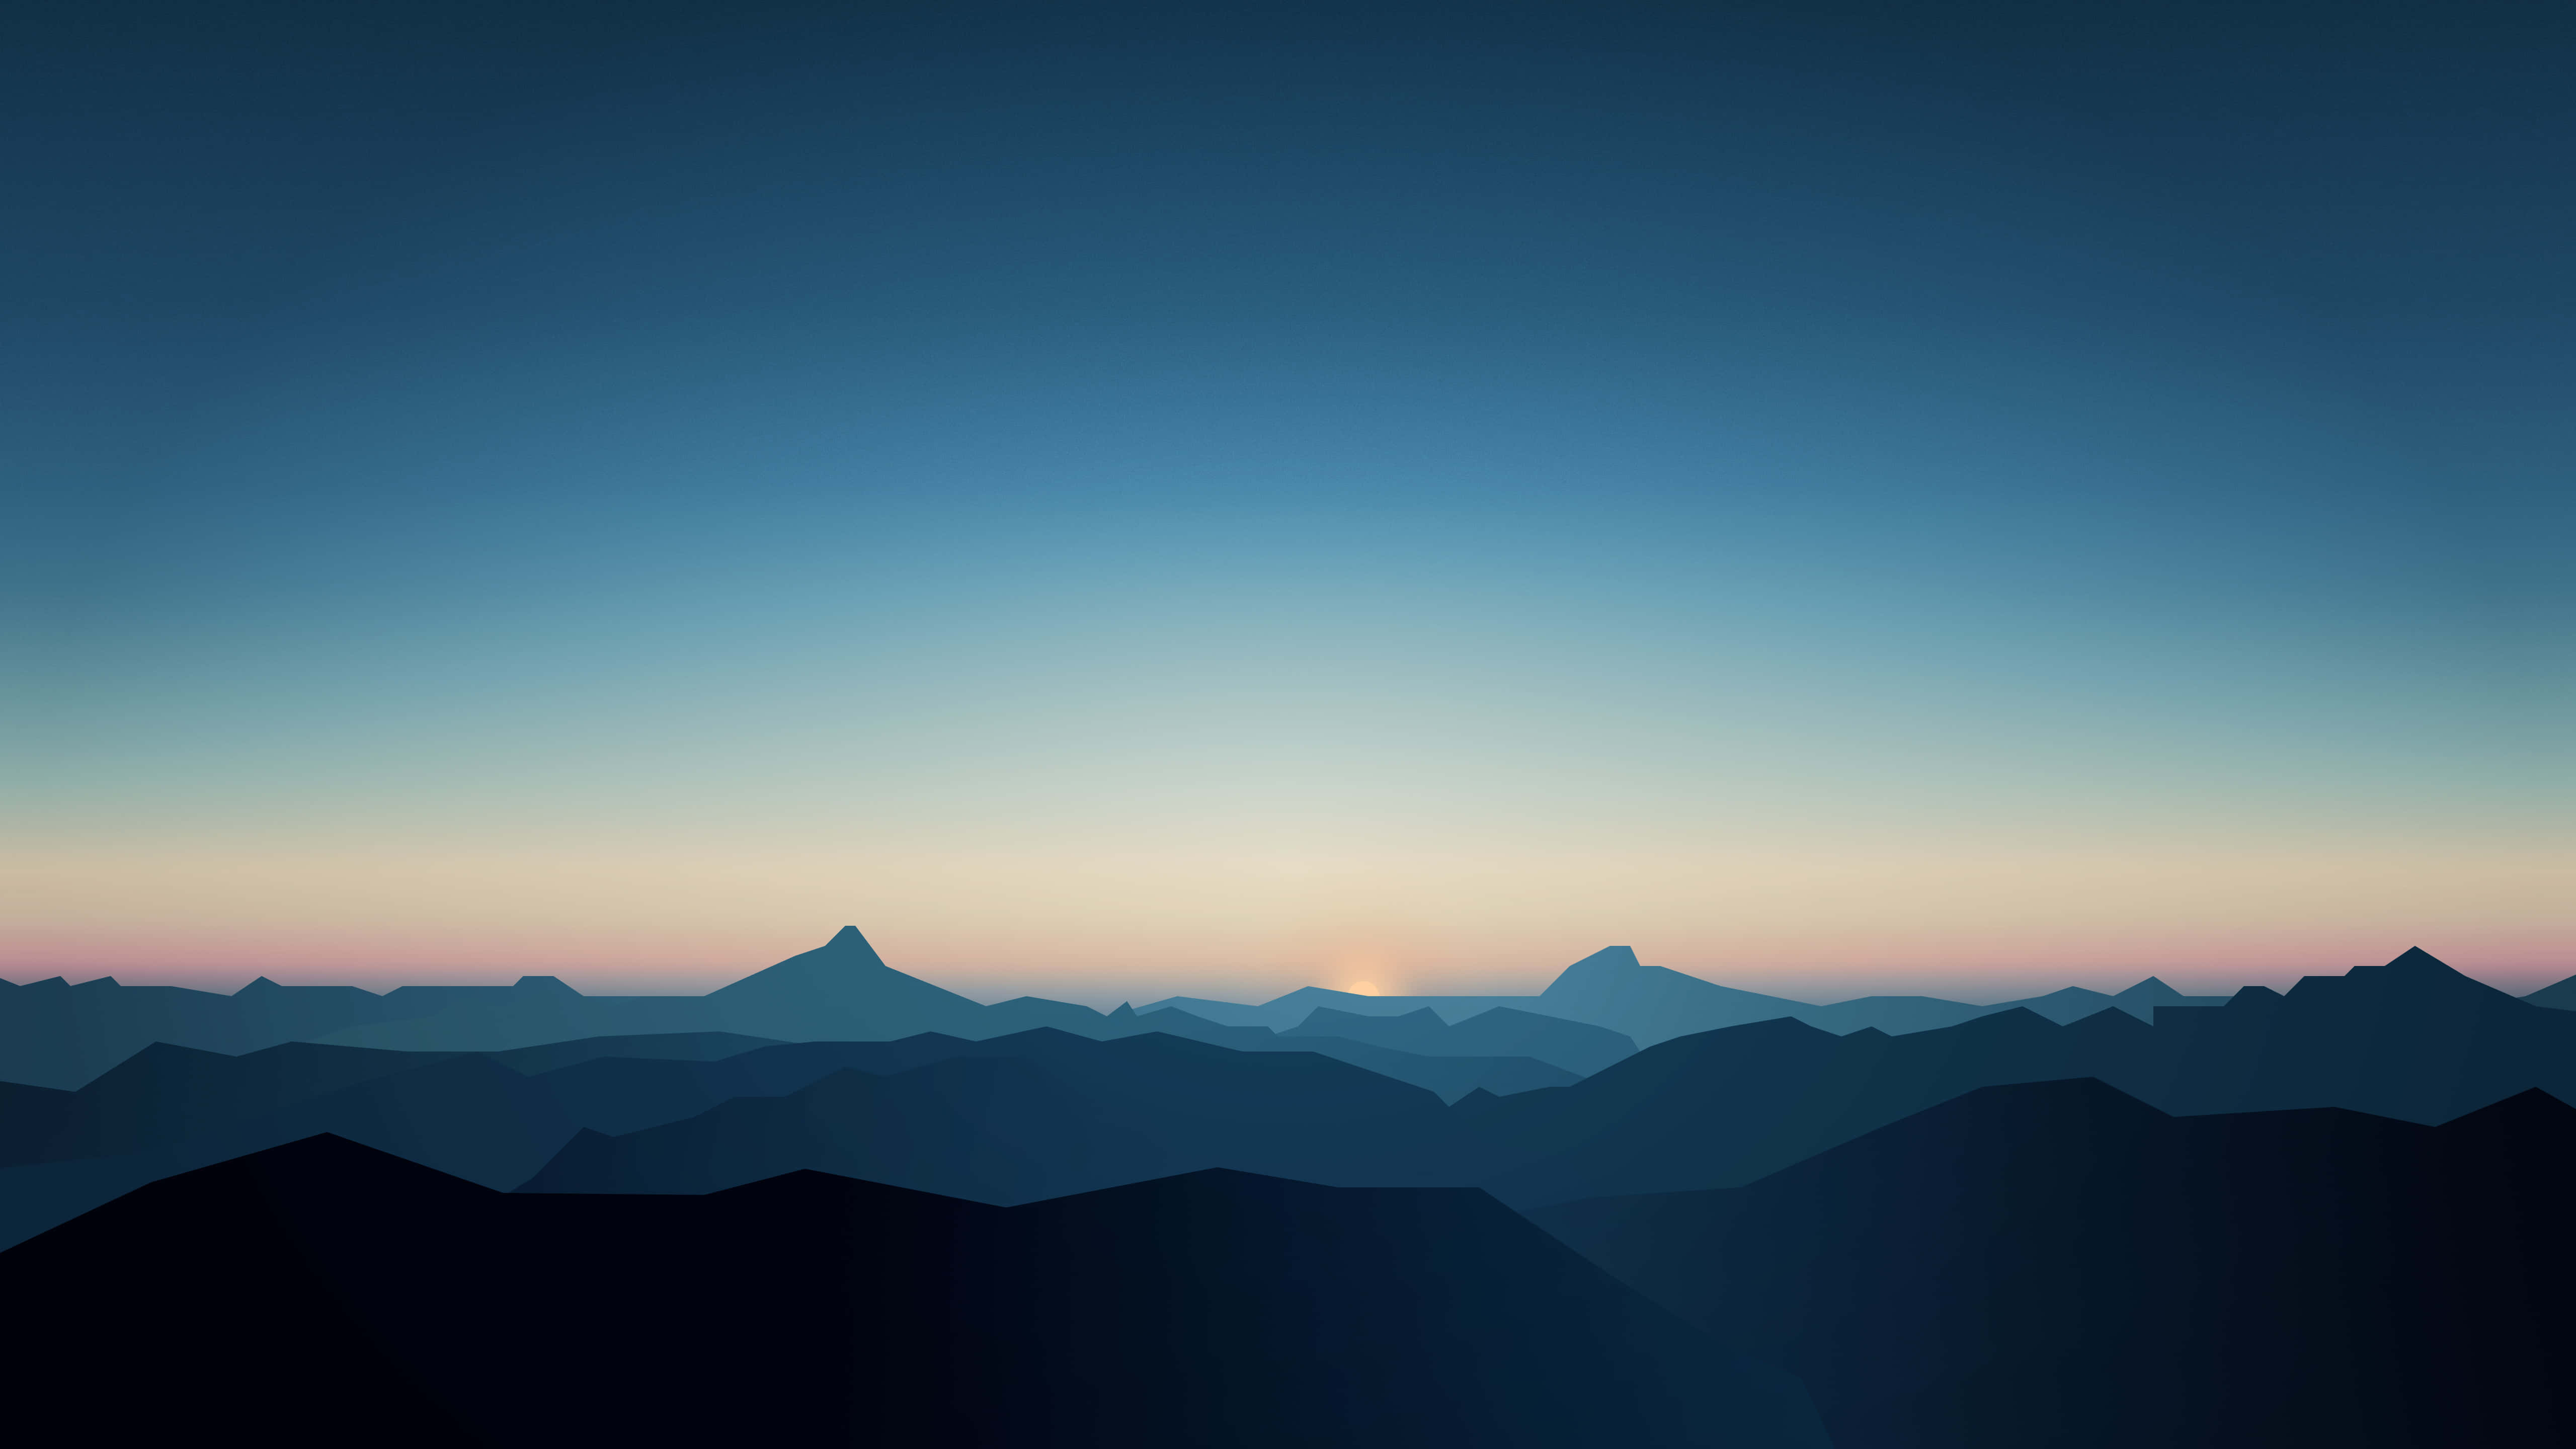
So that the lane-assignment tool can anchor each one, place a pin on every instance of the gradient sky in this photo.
(1121, 501)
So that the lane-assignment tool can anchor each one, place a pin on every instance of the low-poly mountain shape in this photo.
(2058, 1263)
(1281, 1013)
(1575, 1046)
(1649, 1004)
(2562, 995)
(1039, 1114)
(1446, 1077)
(53, 1034)
(1611, 989)
(328, 1293)
(2413, 1040)
(838, 986)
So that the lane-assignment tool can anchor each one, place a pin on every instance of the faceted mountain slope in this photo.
(2058, 1263)
(1444, 1076)
(2413, 1040)
(2562, 995)
(840, 985)
(1212, 1308)
(1040, 1114)
(57, 1035)
(1651, 1004)
(1575, 1046)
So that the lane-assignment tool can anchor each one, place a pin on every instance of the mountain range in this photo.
(322, 1291)
(54, 1034)
(2059, 1263)
(2327, 1211)
(1040, 1113)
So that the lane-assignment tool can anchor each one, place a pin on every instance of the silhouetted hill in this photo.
(1649, 1004)
(1446, 1077)
(686, 1046)
(168, 1109)
(1281, 1013)
(1039, 1114)
(319, 1287)
(839, 985)
(2059, 1263)
(164, 1094)
(1611, 989)
(495, 1117)
(2561, 996)
(57, 1035)
(2413, 1040)
(1575, 1046)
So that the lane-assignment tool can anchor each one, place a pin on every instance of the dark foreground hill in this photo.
(1033, 1115)
(323, 1292)
(2058, 1263)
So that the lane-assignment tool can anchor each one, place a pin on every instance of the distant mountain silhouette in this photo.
(837, 987)
(1284, 1012)
(1574, 1046)
(1039, 1114)
(2413, 1040)
(841, 990)
(496, 1117)
(493, 1119)
(2058, 1263)
(1650, 1004)
(1447, 1077)
(2562, 995)
(326, 1293)
(53, 1034)
(693, 1046)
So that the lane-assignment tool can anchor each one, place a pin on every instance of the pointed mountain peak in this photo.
(844, 975)
(1125, 1011)
(2153, 987)
(2416, 958)
(1609, 961)
(259, 983)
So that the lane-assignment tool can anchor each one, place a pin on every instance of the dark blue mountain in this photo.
(1448, 1077)
(58, 1035)
(2412, 1040)
(168, 1109)
(1036, 1115)
(1499, 1032)
(2562, 995)
(2058, 1263)
(53, 1034)
(1648, 1004)
(1214, 1308)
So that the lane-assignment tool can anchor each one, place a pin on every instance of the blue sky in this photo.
(1840, 498)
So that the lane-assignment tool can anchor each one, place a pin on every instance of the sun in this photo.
(1363, 988)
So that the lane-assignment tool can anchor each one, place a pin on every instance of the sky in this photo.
(1126, 501)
